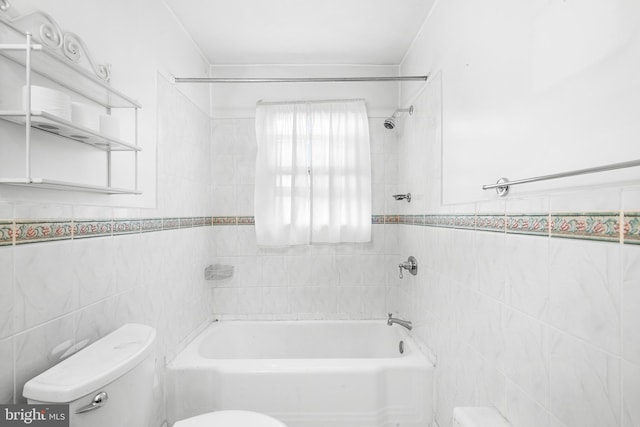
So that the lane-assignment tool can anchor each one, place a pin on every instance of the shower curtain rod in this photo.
(295, 79)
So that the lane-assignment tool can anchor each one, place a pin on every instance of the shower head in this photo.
(390, 123)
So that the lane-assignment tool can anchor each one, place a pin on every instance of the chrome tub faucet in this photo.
(391, 320)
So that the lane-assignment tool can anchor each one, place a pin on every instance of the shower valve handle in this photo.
(410, 265)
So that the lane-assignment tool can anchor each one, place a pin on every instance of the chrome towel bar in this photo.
(503, 184)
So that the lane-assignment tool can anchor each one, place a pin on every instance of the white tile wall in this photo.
(54, 295)
(327, 281)
(544, 329)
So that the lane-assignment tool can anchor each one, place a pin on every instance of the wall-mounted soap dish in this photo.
(218, 272)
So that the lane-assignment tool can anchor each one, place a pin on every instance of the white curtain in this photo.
(313, 173)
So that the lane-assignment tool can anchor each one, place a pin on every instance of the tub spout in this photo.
(391, 320)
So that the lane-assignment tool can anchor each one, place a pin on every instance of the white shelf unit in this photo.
(55, 67)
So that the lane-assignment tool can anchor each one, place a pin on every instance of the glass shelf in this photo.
(66, 186)
(59, 126)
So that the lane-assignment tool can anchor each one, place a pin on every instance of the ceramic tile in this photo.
(31, 232)
(151, 224)
(490, 252)
(51, 212)
(589, 226)
(93, 265)
(537, 224)
(631, 304)
(275, 300)
(584, 383)
(6, 233)
(527, 263)
(92, 228)
(6, 371)
(631, 394)
(526, 356)
(631, 228)
(6, 292)
(523, 411)
(591, 200)
(584, 290)
(126, 226)
(46, 285)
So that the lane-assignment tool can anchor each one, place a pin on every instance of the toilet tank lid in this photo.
(479, 416)
(93, 367)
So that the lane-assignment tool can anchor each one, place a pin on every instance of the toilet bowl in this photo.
(230, 419)
(478, 417)
(110, 383)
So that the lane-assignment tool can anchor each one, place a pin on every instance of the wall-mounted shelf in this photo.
(52, 184)
(58, 68)
(49, 123)
(35, 42)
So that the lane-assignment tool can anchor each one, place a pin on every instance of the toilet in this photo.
(110, 383)
(478, 417)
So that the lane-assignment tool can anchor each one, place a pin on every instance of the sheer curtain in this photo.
(313, 173)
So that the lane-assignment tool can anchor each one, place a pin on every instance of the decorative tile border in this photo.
(6, 233)
(536, 224)
(92, 228)
(42, 231)
(186, 222)
(126, 226)
(600, 226)
(202, 221)
(392, 219)
(377, 219)
(632, 228)
(494, 222)
(170, 223)
(224, 220)
(151, 224)
(603, 226)
(246, 220)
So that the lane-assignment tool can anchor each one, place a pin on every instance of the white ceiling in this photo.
(368, 32)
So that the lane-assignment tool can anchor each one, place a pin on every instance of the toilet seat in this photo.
(230, 419)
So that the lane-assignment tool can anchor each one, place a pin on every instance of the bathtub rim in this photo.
(190, 358)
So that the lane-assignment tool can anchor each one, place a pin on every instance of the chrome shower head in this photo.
(390, 123)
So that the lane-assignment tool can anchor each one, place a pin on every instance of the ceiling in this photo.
(368, 32)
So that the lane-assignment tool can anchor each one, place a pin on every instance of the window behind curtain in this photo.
(313, 173)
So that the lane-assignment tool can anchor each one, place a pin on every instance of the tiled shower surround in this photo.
(531, 302)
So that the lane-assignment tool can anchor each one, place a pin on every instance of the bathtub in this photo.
(305, 373)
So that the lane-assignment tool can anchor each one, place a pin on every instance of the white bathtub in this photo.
(305, 373)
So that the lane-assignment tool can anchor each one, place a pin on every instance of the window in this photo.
(313, 173)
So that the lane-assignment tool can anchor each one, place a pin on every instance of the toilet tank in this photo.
(121, 364)
(478, 417)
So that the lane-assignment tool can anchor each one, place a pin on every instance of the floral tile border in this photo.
(592, 226)
(392, 219)
(202, 221)
(377, 219)
(536, 224)
(186, 222)
(491, 223)
(245, 220)
(602, 226)
(224, 220)
(151, 224)
(42, 231)
(632, 228)
(170, 223)
(92, 228)
(126, 226)
(6, 233)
